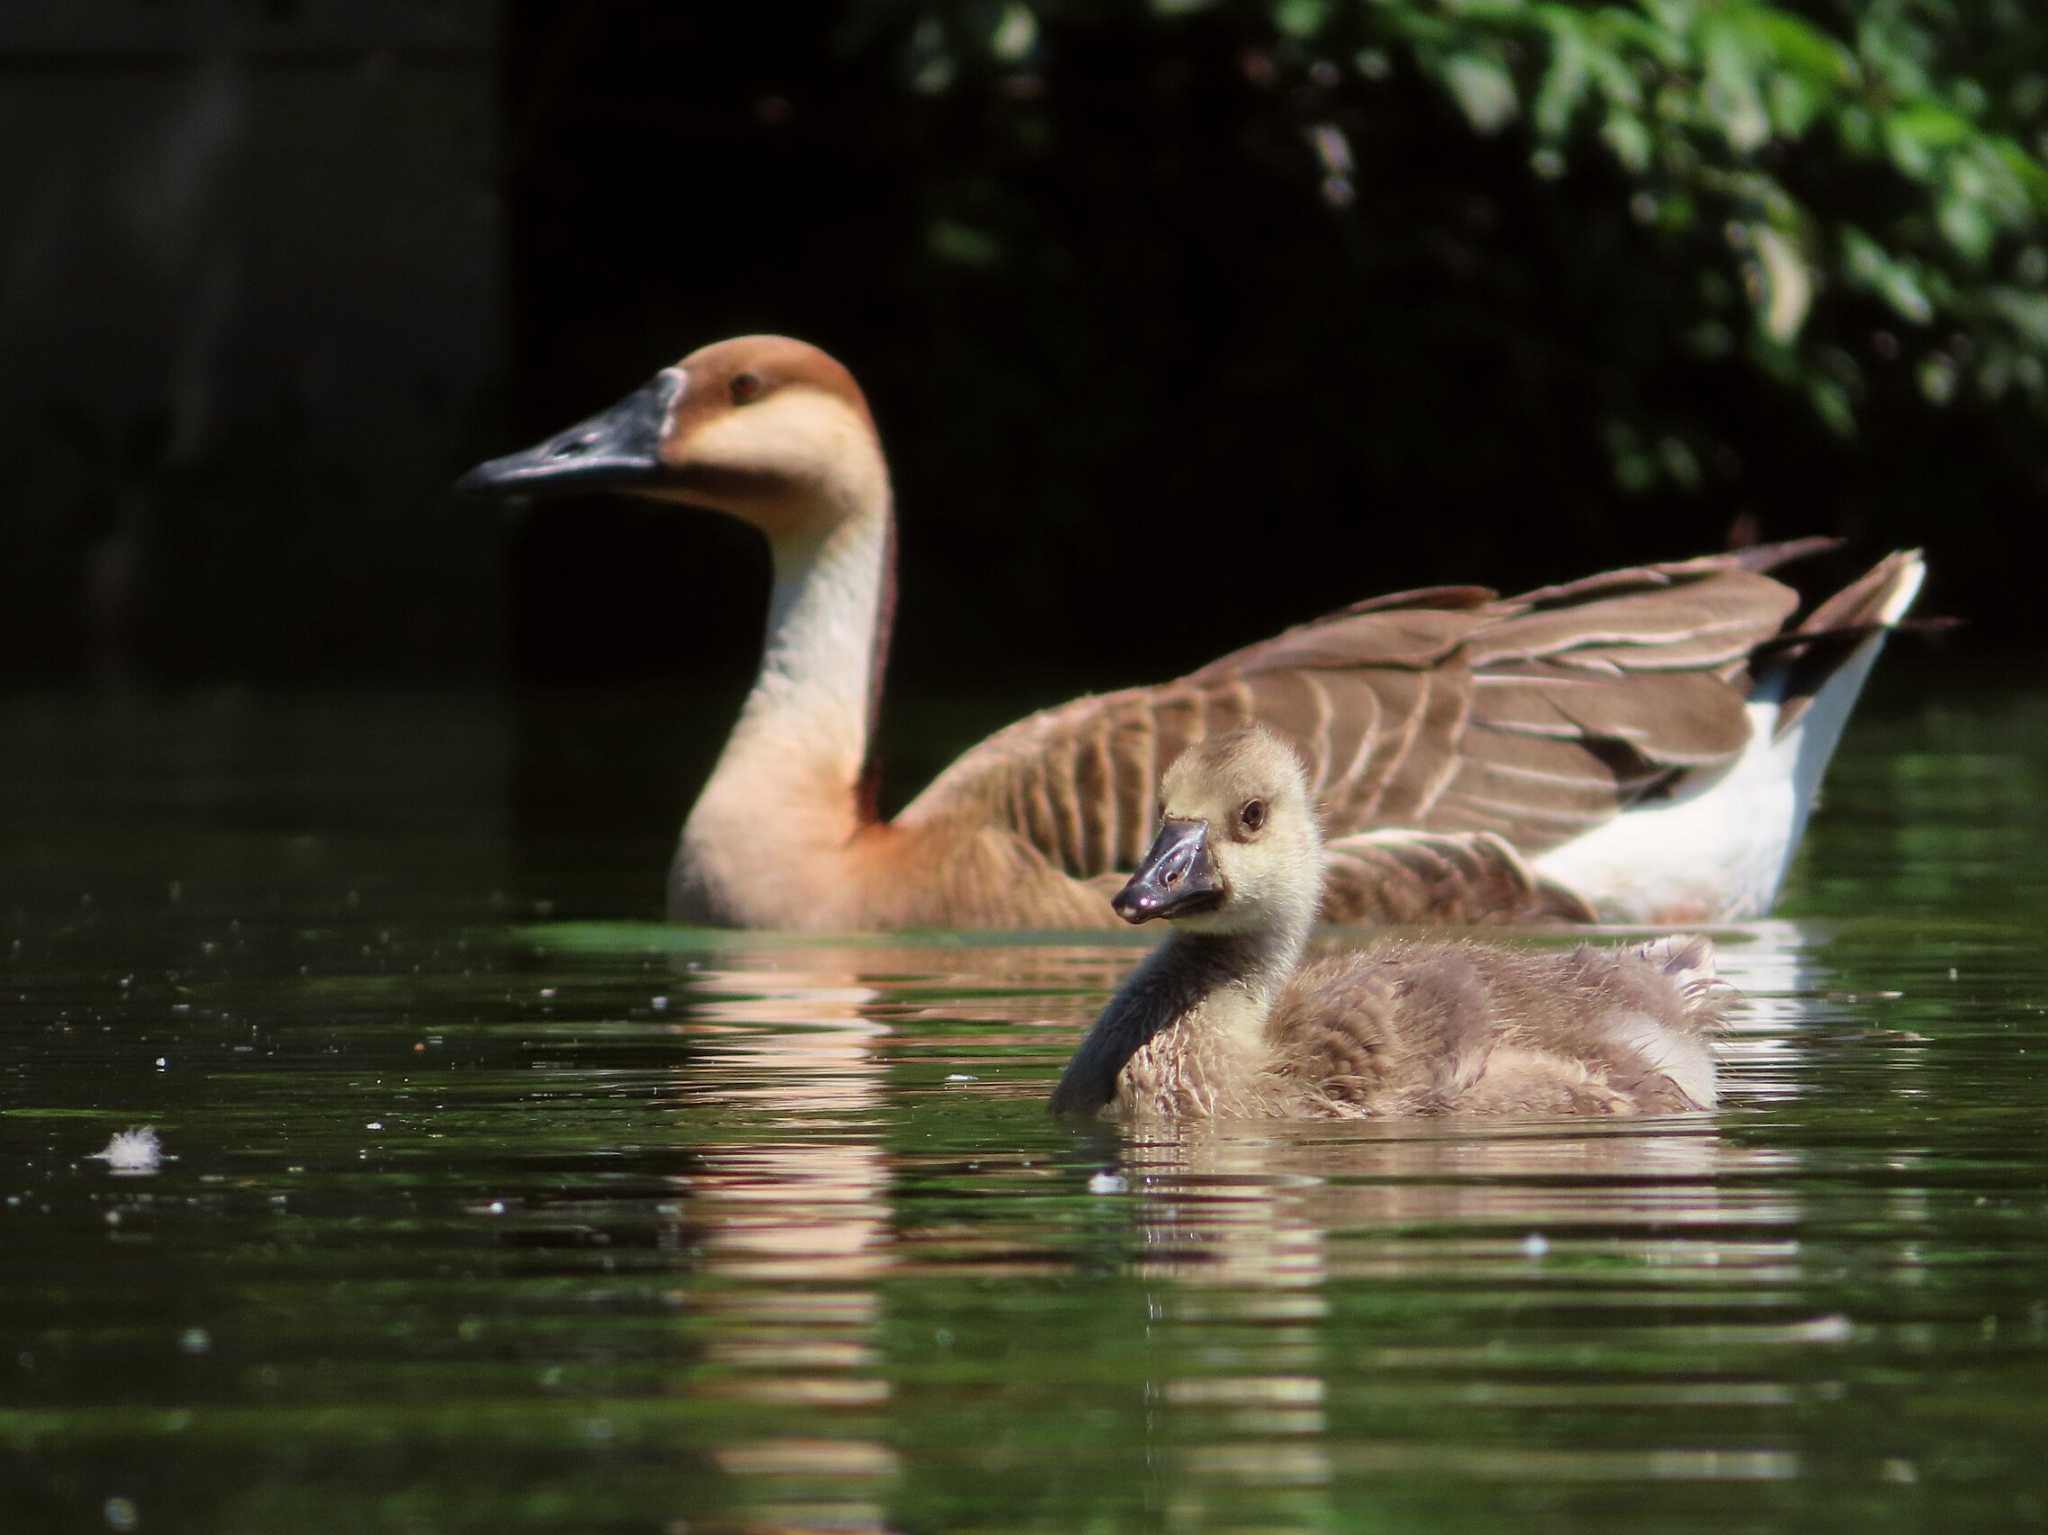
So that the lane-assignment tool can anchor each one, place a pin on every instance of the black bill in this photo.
(1177, 878)
(617, 449)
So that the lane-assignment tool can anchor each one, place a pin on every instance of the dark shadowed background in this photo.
(1181, 320)
(329, 801)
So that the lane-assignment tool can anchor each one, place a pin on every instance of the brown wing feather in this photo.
(1412, 878)
(1837, 626)
(1648, 631)
(1506, 725)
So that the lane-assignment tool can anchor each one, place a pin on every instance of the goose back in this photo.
(1447, 711)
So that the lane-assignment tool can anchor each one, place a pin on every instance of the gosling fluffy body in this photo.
(1224, 1020)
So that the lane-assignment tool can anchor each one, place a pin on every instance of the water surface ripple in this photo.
(475, 1212)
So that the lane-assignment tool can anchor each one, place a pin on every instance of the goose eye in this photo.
(745, 387)
(1253, 815)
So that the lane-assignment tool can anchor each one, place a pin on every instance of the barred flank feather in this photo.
(1484, 730)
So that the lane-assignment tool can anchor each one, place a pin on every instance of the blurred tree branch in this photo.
(1820, 190)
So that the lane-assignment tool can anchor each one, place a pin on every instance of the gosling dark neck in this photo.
(1172, 982)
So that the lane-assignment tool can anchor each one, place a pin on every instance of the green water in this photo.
(483, 1209)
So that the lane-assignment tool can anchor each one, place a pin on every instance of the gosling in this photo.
(1224, 1020)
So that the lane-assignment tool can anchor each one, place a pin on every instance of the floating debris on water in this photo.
(132, 1151)
(1108, 1183)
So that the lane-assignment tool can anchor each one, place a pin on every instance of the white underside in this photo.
(1685, 1058)
(1718, 851)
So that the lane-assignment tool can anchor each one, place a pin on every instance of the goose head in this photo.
(763, 428)
(1238, 849)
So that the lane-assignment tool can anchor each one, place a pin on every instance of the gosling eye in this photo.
(1252, 815)
(746, 387)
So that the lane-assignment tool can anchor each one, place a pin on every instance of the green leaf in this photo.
(1784, 284)
(2029, 173)
(1015, 34)
(1731, 95)
(1798, 48)
(1857, 129)
(1630, 140)
(1669, 46)
(1484, 90)
(1301, 18)
(1831, 403)
(1919, 137)
(959, 244)
(1967, 227)
(1681, 465)
(1793, 103)
(1868, 265)
(2024, 310)
(1564, 84)
(1937, 378)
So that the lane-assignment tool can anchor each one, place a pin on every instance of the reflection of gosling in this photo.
(1223, 1018)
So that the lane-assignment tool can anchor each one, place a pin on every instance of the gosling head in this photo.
(764, 428)
(1238, 850)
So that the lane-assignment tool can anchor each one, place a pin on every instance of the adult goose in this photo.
(1224, 1021)
(1642, 745)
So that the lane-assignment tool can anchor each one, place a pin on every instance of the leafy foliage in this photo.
(1851, 187)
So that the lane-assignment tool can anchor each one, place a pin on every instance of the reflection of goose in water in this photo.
(1224, 1020)
(801, 1195)
(805, 1067)
(792, 1200)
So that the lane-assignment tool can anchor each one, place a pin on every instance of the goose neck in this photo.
(791, 790)
(828, 616)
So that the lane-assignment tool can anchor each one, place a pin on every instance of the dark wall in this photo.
(251, 308)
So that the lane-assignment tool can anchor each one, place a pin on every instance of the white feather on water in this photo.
(132, 1152)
